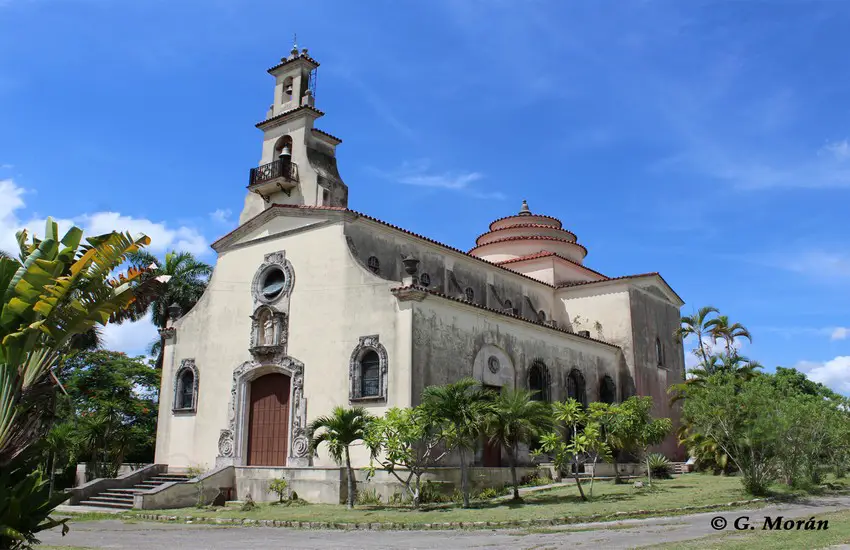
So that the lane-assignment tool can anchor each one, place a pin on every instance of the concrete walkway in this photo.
(621, 534)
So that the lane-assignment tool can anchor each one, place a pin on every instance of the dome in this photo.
(526, 234)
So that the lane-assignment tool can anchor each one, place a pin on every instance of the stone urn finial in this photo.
(524, 211)
(174, 311)
(411, 265)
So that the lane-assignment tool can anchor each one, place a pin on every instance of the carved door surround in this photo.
(233, 441)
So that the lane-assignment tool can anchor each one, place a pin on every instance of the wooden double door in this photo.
(268, 420)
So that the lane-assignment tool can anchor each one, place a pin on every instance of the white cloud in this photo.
(163, 236)
(834, 373)
(131, 338)
(420, 174)
(820, 264)
(840, 333)
(840, 150)
(221, 215)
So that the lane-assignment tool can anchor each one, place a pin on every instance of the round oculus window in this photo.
(272, 283)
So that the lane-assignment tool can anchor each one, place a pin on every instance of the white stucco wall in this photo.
(334, 302)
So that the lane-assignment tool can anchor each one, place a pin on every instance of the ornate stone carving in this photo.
(185, 364)
(225, 444)
(493, 364)
(272, 262)
(368, 343)
(269, 332)
(167, 333)
(229, 438)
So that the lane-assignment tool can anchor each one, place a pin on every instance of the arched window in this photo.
(659, 352)
(470, 294)
(287, 89)
(373, 264)
(541, 316)
(509, 304)
(607, 390)
(425, 279)
(368, 370)
(370, 374)
(283, 146)
(576, 386)
(186, 387)
(538, 381)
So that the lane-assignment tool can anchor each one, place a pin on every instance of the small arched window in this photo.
(538, 381)
(373, 264)
(576, 387)
(509, 304)
(368, 370)
(425, 279)
(470, 294)
(541, 316)
(607, 390)
(186, 387)
(369, 374)
(659, 352)
(287, 89)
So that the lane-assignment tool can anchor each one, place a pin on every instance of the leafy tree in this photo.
(405, 439)
(338, 431)
(186, 279)
(514, 418)
(605, 415)
(460, 409)
(742, 418)
(579, 438)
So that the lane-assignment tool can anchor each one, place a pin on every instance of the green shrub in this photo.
(398, 499)
(25, 504)
(430, 494)
(490, 492)
(280, 487)
(660, 466)
(249, 504)
(369, 498)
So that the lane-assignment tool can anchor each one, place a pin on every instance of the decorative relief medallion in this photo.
(225, 444)
(493, 364)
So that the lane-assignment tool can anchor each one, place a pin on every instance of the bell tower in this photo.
(298, 161)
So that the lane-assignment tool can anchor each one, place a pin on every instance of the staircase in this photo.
(122, 499)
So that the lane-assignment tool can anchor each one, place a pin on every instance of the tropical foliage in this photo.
(338, 432)
(460, 411)
(515, 418)
(184, 279)
(58, 287)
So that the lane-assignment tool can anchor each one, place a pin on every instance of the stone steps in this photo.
(122, 499)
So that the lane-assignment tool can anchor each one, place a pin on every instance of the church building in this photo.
(313, 305)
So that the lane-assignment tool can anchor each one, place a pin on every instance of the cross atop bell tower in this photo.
(298, 161)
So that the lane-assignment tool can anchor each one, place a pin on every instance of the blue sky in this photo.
(709, 141)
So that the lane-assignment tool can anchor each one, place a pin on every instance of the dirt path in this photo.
(620, 534)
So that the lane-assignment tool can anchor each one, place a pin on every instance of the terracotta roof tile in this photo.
(327, 134)
(623, 277)
(524, 225)
(526, 215)
(529, 238)
(287, 113)
(499, 312)
(288, 61)
(546, 254)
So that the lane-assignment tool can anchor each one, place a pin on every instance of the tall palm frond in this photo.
(697, 325)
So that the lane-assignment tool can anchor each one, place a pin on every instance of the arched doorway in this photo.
(607, 390)
(576, 387)
(538, 381)
(268, 420)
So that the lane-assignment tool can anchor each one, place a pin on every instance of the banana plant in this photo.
(58, 287)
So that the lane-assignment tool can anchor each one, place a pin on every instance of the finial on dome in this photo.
(294, 50)
(524, 211)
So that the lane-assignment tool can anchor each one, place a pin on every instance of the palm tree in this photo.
(338, 431)
(4, 254)
(719, 328)
(461, 410)
(517, 418)
(187, 279)
(697, 325)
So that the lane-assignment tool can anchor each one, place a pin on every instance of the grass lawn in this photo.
(558, 502)
(838, 532)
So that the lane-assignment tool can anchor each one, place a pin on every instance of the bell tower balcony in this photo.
(268, 179)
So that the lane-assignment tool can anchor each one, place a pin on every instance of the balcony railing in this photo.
(272, 171)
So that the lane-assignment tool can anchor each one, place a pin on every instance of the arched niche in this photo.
(492, 366)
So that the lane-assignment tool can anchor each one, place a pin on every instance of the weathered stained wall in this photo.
(654, 317)
(447, 337)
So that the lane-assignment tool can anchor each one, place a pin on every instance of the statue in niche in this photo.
(268, 331)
